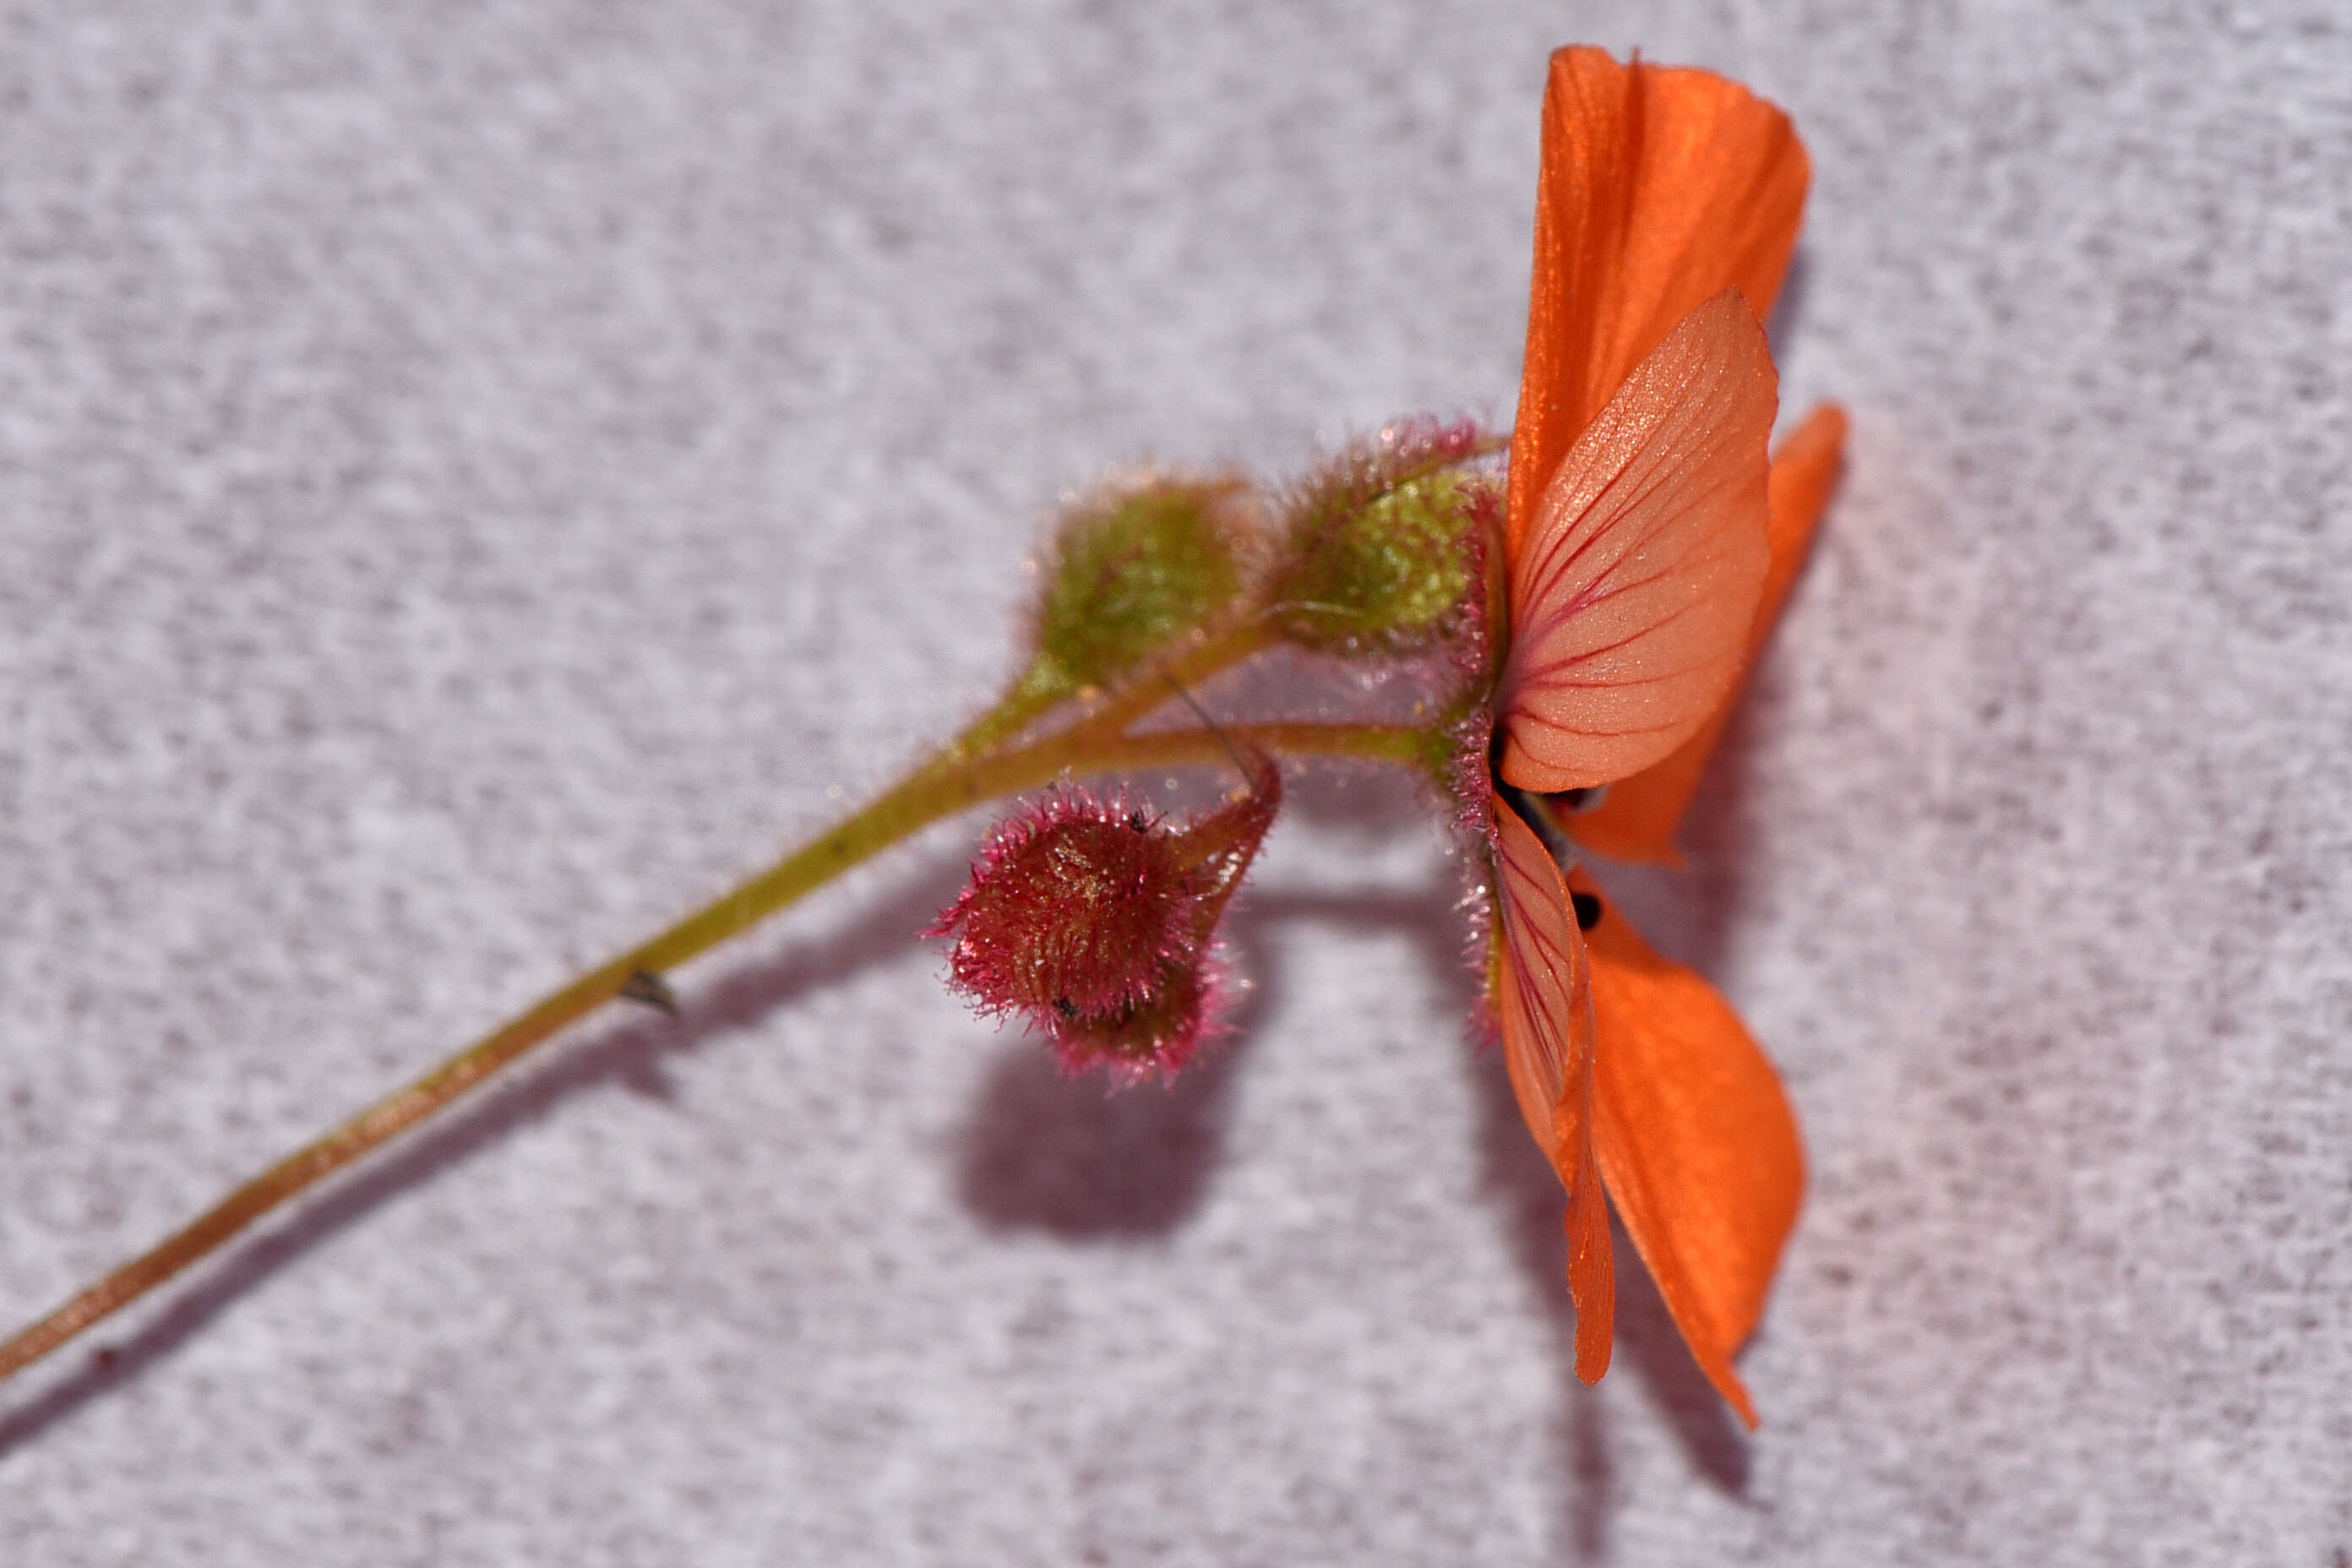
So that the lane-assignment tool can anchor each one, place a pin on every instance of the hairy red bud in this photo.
(1159, 1034)
(1074, 906)
(1091, 919)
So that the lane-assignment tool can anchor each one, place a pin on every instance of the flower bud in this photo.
(1131, 571)
(1157, 1034)
(1092, 921)
(1382, 545)
(1074, 908)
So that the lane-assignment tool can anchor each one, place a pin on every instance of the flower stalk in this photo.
(988, 760)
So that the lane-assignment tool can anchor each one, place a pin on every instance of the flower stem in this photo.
(950, 782)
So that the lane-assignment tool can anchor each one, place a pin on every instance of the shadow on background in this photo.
(1073, 1156)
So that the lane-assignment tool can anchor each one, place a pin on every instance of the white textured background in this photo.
(474, 479)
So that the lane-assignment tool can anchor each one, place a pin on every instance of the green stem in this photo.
(949, 782)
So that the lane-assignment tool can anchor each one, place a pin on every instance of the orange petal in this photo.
(1631, 599)
(1661, 188)
(1695, 1140)
(1543, 996)
(1637, 819)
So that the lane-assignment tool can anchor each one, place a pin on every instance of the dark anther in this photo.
(1588, 911)
(1535, 811)
(646, 986)
(1066, 1007)
(1138, 821)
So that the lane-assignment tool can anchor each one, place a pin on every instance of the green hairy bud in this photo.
(1379, 554)
(1132, 570)
(1384, 575)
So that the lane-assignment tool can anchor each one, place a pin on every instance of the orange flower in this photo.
(1649, 542)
